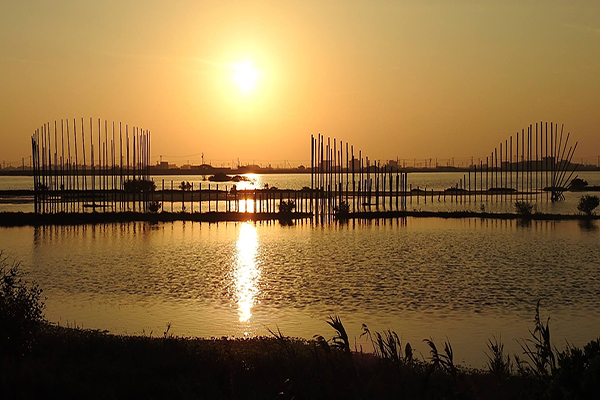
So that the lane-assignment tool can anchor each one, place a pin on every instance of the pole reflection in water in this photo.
(247, 271)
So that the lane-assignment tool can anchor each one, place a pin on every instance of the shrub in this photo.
(139, 185)
(524, 208)
(286, 210)
(287, 207)
(342, 212)
(185, 186)
(588, 203)
(21, 308)
(154, 206)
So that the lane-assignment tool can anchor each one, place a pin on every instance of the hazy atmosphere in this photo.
(250, 80)
(300, 199)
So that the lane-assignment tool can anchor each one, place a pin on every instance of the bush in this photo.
(342, 212)
(185, 186)
(21, 308)
(588, 203)
(154, 206)
(287, 207)
(139, 185)
(524, 208)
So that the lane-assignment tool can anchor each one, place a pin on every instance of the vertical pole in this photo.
(552, 153)
(487, 169)
(517, 164)
(536, 161)
(76, 164)
(347, 171)
(85, 186)
(312, 171)
(481, 180)
(92, 163)
(510, 163)
(546, 160)
(353, 181)
(69, 170)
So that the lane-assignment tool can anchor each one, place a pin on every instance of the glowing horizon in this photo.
(397, 79)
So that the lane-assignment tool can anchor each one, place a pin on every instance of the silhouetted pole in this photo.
(511, 162)
(353, 181)
(347, 171)
(312, 171)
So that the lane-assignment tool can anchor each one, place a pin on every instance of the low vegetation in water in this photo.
(341, 212)
(587, 204)
(286, 210)
(524, 208)
(154, 206)
(139, 186)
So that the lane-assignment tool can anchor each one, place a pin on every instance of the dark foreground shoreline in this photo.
(9, 219)
(76, 363)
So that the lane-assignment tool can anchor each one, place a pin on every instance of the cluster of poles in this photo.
(106, 167)
(79, 166)
(533, 164)
(340, 180)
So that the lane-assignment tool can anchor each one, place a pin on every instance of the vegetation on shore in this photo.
(52, 361)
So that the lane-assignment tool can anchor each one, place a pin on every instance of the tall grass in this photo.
(340, 340)
(541, 360)
(84, 363)
(499, 364)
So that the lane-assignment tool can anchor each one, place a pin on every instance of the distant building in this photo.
(202, 166)
(393, 164)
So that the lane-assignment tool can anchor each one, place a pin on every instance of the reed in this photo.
(340, 340)
(499, 364)
(541, 360)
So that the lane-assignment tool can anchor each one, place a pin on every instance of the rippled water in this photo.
(462, 279)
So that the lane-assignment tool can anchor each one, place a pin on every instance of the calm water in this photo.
(463, 279)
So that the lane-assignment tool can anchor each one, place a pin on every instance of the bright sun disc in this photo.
(245, 75)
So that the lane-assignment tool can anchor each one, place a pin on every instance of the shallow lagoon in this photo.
(464, 279)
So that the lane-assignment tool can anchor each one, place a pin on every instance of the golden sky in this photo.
(395, 78)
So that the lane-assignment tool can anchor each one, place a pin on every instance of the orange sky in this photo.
(395, 78)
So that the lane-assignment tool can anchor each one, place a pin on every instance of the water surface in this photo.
(464, 280)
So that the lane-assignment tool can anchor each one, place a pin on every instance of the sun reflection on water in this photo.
(254, 182)
(247, 271)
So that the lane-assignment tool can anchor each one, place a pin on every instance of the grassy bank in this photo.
(75, 363)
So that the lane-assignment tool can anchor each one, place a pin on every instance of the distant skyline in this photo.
(407, 79)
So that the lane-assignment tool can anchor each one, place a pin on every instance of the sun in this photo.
(245, 75)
